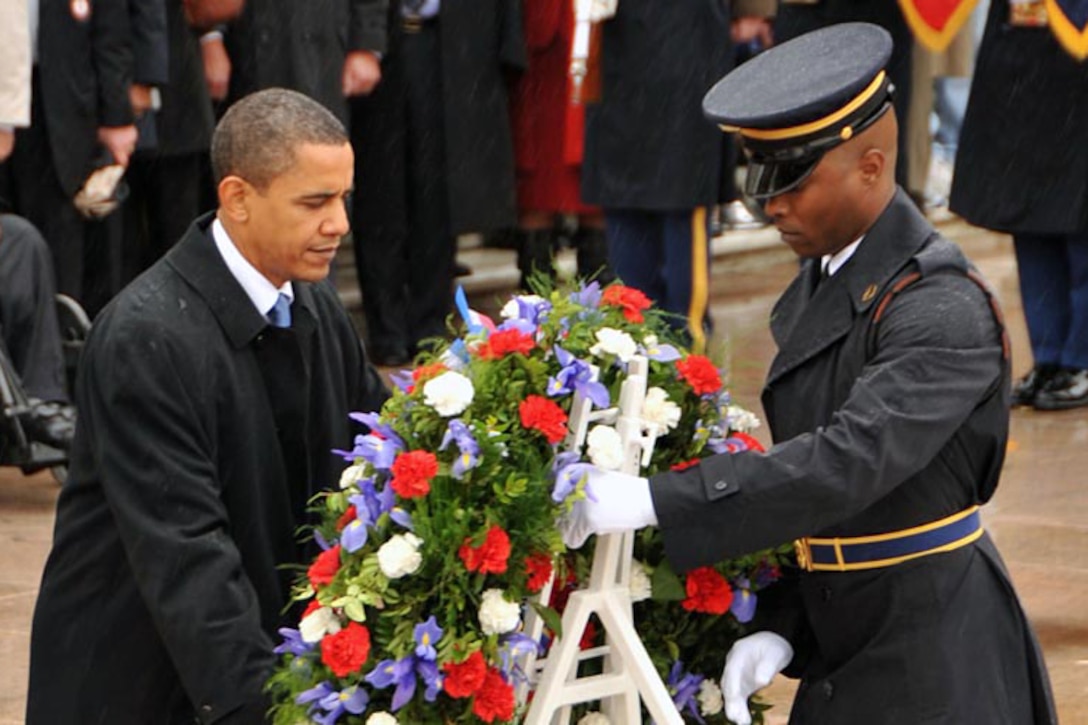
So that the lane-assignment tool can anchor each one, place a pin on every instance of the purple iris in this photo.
(532, 311)
(567, 479)
(292, 642)
(525, 327)
(401, 518)
(684, 687)
(660, 352)
(744, 601)
(459, 433)
(352, 700)
(588, 296)
(369, 505)
(403, 672)
(426, 635)
(403, 380)
(576, 375)
(513, 646)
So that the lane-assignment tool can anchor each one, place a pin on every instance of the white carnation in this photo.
(449, 393)
(400, 555)
(382, 718)
(605, 447)
(315, 625)
(594, 718)
(611, 341)
(498, 616)
(659, 412)
(710, 698)
(511, 310)
(740, 419)
(641, 588)
(352, 474)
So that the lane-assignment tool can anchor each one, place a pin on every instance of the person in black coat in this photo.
(434, 150)
(888, 403)
(1022, 169)
(211, 393)
(81, 118)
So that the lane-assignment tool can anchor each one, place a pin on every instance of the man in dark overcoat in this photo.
(327, 49)
(1022, 169)
(434, 152)
(211, 392)
(888, 405)
(81, 117)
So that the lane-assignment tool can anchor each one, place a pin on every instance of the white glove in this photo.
(614, 502)
(751, 664)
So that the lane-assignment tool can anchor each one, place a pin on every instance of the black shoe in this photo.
(1067, 389)
(1026, 388)
(51, 423)
(461, 270)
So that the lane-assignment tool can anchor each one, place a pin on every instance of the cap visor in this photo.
(770, 178)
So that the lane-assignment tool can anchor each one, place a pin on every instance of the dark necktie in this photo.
(280, 314)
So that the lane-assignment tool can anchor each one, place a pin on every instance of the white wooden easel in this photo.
(628, 677)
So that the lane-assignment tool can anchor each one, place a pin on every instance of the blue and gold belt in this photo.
(857, 553)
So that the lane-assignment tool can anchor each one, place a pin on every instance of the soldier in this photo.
(888, 404)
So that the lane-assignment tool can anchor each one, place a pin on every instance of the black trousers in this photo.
(404, 250)
(29, 182)
(28, 313)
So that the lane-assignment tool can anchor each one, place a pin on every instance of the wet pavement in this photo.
(1039, 516)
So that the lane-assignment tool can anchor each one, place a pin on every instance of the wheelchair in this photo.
(16, 449)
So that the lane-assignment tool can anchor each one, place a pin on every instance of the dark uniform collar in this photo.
(196, 259)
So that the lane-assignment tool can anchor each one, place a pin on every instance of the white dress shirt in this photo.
(261, 292)
(832, 263)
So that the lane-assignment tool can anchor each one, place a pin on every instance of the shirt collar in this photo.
(260, 291)
(832, 263)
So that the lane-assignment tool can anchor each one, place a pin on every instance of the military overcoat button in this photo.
(721, 486)
(829, 690)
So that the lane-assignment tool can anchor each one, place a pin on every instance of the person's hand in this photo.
(751, 664)
(362, 71)
(614, 502)
(7, 142)
(752, 27)
(139, 97)
(120, 141)
(216, 66)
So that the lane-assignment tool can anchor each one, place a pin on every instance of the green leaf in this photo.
(355, 611)
(551, 618)
(667, 586)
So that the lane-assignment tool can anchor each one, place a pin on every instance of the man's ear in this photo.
(234, 194)
(871, 166)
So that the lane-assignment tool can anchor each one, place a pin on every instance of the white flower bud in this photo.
(400, 555)
(498, 616)
(449, 393)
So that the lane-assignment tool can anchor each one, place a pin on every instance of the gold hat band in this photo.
(778, 134)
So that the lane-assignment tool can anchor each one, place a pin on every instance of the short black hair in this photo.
(256, 139)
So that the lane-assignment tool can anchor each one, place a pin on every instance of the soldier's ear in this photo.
(871, 166)
(233, 194)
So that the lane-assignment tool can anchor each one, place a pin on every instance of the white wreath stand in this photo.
(628, 675)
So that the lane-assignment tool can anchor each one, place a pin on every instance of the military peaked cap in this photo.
(795, 101)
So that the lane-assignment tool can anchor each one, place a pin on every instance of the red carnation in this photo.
(700, 374)
(495, 700)
(751, 444)
(539, 413)
(631, 300)
(465, 678)
(708, 592)
(346, 651)
(325, 566)
(684, 465)
(539, 567)
(503, 342)
(489, 557)
(424, 373)
(412, 473)
(346, 518)
(589, 636)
